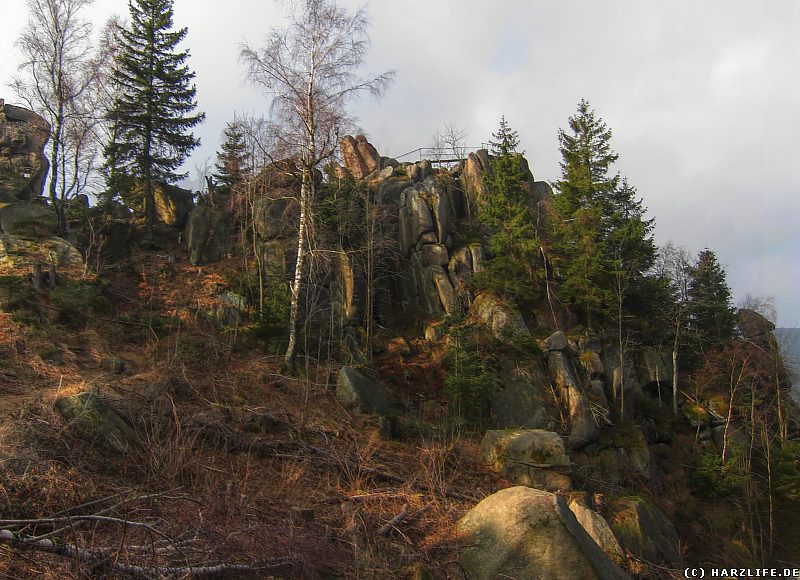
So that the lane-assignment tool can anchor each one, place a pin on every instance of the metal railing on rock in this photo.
(439, 154)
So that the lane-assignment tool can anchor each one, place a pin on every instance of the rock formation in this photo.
(359, 156)
(23, 165)
(207, 235)
(531, 457)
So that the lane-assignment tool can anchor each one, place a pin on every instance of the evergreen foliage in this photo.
(712, 318)
(233, 160)
(507, 213)
(468, 383)
(152, 113)
(506, 139)
(603, 238)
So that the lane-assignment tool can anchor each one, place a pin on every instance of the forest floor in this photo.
(238, 464)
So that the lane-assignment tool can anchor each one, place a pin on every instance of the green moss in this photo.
(626, 435)
(15, 293)
(77, 300)
(695, 413)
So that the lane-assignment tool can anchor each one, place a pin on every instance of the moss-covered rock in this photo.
(207, 235)
(97, 421)
(644, 531)
(29, 220)
(18, 252)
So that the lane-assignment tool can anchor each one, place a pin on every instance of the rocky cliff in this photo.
(23, 165)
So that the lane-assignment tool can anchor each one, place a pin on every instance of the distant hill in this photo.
(789, 339)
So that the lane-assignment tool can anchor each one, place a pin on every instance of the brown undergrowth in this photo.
(235, 462)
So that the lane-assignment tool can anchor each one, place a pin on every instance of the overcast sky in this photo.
(701, 98)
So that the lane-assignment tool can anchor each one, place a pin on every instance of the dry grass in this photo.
(267, 465)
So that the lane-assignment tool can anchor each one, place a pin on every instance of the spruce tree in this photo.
(232, 161)
(152, 113)
(604, 240)
(582, 202)
(507, 140)
(712, 318)
(507, 214)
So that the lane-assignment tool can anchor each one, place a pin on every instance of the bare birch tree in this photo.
(672, 264)
(310, 70)
(56, 78)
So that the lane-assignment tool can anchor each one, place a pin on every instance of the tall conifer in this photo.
(232, 161)
(152, 113)
(507, 213)
(712, 319)
(603, 235)
(582, 203)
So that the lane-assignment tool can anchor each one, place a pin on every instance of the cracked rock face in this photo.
(23, 165)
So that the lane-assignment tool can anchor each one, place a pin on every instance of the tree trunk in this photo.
(55, 148)
(675, 379)
(294, 306)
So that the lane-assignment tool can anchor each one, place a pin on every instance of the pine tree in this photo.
(712, 318)
(232, 161)
(152, 112)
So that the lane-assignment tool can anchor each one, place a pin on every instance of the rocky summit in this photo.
(441, 420)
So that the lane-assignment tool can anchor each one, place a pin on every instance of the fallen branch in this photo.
(103, 559)
(395, 521)
(402, 518)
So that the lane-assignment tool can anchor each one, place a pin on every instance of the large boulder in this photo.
(228, 309)
(23, 165)
(644, 531)
(435, 255)
(439, 194)
(521, 532)
(460, 269)
(275, 217)
(531, 457)
(425, 285)
(500, 316)
(348, 294)
(29, 220)
(207, 235)
(623, 378)
(363, 395)
(444, 289)
(98, 421)
(284, 174)
(172, 203)
(21, 252)
(654, 367)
